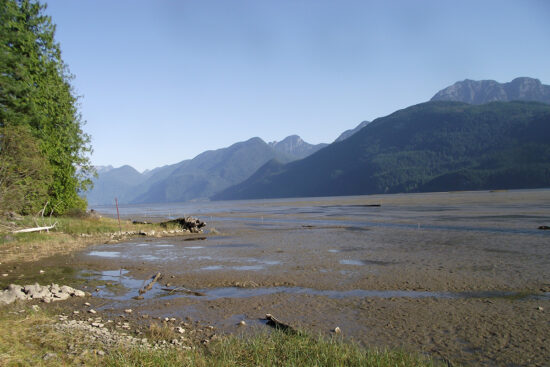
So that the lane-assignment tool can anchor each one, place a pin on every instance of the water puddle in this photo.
(149, 257)
(212, 267)
(311, 223)
(238, 267)
(235, 245)
(351, 262)
(365, 262)
(118, 286)
(248, 267)
(108, 254)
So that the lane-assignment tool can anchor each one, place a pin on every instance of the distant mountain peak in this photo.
(296, 146)
(485, 91)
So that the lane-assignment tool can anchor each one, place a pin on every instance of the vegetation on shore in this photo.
(70, 233)
(43, 150)
(28, 337)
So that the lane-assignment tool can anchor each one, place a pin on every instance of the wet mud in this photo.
(460, 276)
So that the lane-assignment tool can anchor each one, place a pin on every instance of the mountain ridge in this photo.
(196, 178)
(486, 91)
(497, 145)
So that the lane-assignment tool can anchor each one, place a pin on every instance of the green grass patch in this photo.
(27, 336)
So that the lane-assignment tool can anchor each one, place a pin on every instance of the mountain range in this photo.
(197, 178)
(434, 146)
(471, 135)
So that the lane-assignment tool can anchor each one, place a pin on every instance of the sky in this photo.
(164, 80)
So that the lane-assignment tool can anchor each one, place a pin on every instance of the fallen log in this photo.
(277, 324)
(149, 286)
(35, 229)
(184, 290)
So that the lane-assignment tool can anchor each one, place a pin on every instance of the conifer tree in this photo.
(36, 94)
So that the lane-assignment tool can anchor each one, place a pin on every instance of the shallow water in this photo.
(129, 288)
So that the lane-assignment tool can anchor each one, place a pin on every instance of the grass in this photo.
(27, 337)
(70, 233)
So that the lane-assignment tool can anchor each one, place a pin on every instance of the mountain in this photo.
(346, 134)
(295, 147)
(196, 178)
(433, 146)
(485, 91)
(113, 183)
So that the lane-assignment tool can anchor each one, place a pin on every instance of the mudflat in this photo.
(463, 276)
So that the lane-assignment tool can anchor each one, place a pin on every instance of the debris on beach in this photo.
(277, 324)
(150, 285)
(184, 290)
(190, 224)
(47, 293)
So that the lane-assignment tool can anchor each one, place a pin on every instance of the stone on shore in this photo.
(46, 293)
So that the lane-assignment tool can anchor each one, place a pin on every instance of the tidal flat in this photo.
(463, 276)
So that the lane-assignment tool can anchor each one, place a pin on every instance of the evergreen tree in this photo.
(35, 92)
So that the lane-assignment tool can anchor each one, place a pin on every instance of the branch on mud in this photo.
(184, 290)
(149, 286)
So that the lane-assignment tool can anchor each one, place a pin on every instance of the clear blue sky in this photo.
(162, 81)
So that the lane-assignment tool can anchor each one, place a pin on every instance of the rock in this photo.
(87, 304)
(540, 308)
(49, 356)
(76, 312)
(61, 296)
(180, 330)
(242, 323)
(100, 353)
(92, 311)
(42, 271)
(79, 293)
(337, 330)
(128, 310)
(36, 308)
(35, 291)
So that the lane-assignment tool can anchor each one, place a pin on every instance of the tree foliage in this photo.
(24, 174)
(37, 101)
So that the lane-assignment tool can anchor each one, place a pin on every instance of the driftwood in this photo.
(191, 224)
(277, 324)
(35, 229)
(149, 286)
(184, 290)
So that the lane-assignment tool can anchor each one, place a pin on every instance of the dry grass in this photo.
(70, 234)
